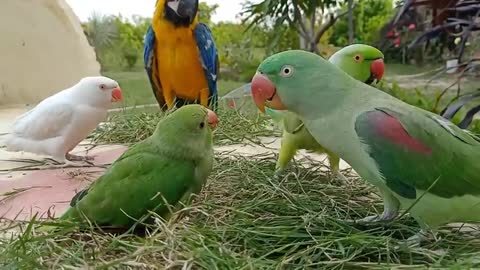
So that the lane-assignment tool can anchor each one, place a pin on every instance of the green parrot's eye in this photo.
(358, 58)
(286, 71)
(202, 124)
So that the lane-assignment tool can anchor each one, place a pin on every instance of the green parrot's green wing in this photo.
(412, 150)
(134, 149)
(139, 181)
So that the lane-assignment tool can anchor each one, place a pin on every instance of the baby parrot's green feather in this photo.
(356, 60)
(418, 160)
(152, 175)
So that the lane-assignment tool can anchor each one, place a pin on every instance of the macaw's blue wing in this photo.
(209, 60)
(151, 64)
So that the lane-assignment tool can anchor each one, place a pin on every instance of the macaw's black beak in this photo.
(187, 9)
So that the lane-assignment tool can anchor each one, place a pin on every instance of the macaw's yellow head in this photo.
(179, 12)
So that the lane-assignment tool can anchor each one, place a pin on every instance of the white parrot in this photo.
(60, 122)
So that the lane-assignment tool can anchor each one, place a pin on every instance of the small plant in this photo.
(455, 109)
(453, 24)
(414, 97)
(131, 57)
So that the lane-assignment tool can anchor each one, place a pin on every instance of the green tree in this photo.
(101, 33)
(369, 17)
(310, 18)
(130, 38)
(205, 12)
(241, 50)
(118, 41)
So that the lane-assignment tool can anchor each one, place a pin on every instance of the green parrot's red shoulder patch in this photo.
(390, 128)
(414, 151)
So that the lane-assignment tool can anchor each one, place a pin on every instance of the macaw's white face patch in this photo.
(173, 5)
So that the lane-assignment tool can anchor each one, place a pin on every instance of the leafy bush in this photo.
(369, 17)
(418, 98)
(413, 97)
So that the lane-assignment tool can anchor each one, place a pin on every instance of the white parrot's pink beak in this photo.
(117, 94)
(212, 119)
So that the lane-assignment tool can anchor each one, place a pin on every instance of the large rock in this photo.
(43, 50)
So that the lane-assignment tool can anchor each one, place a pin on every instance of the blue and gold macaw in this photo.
(180, 56)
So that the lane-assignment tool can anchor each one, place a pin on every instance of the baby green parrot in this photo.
(418, 160)
(166, 167)
(362, 62)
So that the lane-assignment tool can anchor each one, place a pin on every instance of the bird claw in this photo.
(278, 173)
(72, 157)
(414, 240)
(384, 217)
(340, 177)
(67, 163)
(369, 219)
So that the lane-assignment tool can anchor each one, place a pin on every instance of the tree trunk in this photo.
(309, 38)
(350, 21)
(302, 42)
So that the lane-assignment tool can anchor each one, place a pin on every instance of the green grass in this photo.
(130, 126)
(244, 218)
(137, 91)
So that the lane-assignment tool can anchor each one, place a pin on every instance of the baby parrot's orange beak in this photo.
(377, 68)
(212, 119)
(264, 93)
(116, 94)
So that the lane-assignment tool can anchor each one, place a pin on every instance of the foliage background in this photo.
(118, 41)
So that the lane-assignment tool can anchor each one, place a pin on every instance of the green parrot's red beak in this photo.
(212, 119)
(377, 68)
(264, 93)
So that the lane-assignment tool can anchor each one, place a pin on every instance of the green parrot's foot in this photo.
(278, 172)
(337, 175)
(384, 217)
(72, 157)
(416, 239)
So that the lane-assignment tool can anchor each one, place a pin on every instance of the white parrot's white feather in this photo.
(58, 123)
(44, 122)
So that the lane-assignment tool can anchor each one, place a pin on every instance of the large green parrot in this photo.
(419, 161)
(362, 62)
(166, 167)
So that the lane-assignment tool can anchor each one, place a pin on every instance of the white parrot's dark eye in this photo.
(286, 71)
(103, 86)
(202, 124)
